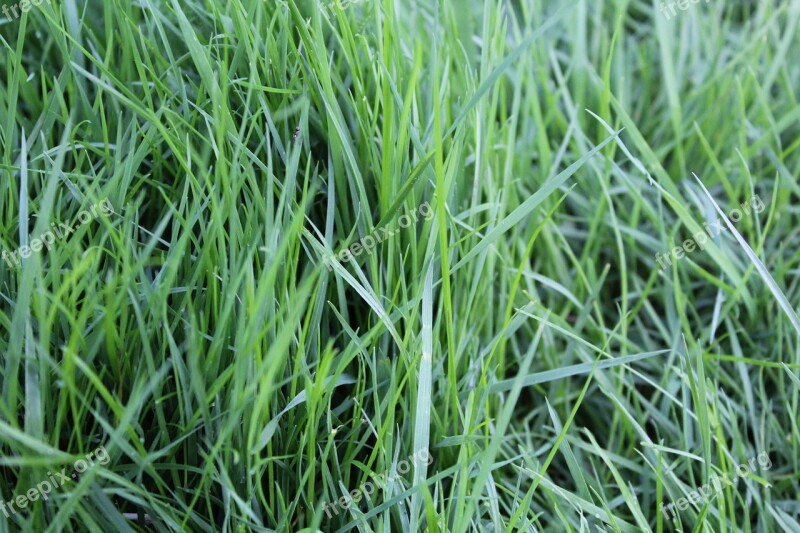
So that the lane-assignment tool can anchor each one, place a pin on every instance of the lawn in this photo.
(422, 265)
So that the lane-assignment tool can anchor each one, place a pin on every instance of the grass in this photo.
(523, 334)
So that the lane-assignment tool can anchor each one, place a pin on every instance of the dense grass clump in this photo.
(420, 265)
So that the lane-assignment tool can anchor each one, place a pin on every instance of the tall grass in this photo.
(524, 335)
